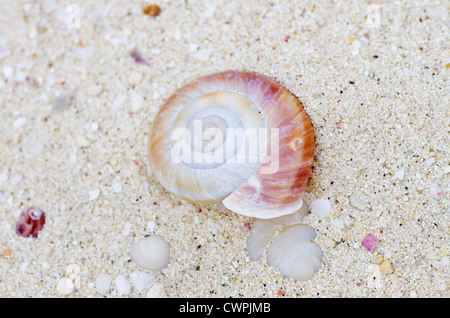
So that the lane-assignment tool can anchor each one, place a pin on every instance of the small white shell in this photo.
(288, 237)
(436, 192)
(103, 283)
(263, 230)
(291, 251)
(151, 252)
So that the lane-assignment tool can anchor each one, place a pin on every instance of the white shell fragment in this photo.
(65, 286)
(103, 283)
(357, 202)
(322, 207)
(263, 230)
(122, 285)
(399, 174)
(436, 192)
(151, 252)
(141, 280)
(156, 291)
(291, 251)
(292, 234)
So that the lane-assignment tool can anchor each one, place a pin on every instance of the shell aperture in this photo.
(236, 137)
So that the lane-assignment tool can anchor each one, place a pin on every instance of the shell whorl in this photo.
(266, 181)
(291, 249)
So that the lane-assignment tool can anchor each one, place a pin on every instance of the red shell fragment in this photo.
(30, 222)
(137, 57)
(370, 241)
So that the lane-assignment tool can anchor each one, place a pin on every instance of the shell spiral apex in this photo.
(236, 137)
(151, 252)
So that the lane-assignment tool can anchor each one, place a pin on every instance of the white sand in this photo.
(83, 159)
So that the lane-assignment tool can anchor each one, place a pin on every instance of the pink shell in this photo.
(281, 192)
(30, 222)
(268, 193)
(370, 241)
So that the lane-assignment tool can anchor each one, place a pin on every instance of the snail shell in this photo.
(151, 252)
(263, 230)
(30, 222)
(236, 137)
(291, 251)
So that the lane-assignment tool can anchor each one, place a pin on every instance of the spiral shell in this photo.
(151, 252)
(291, 250)
(263, 230)
(293, 253)
(236, 137)
(30, 222)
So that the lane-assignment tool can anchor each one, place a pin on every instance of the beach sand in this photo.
(80, 85)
